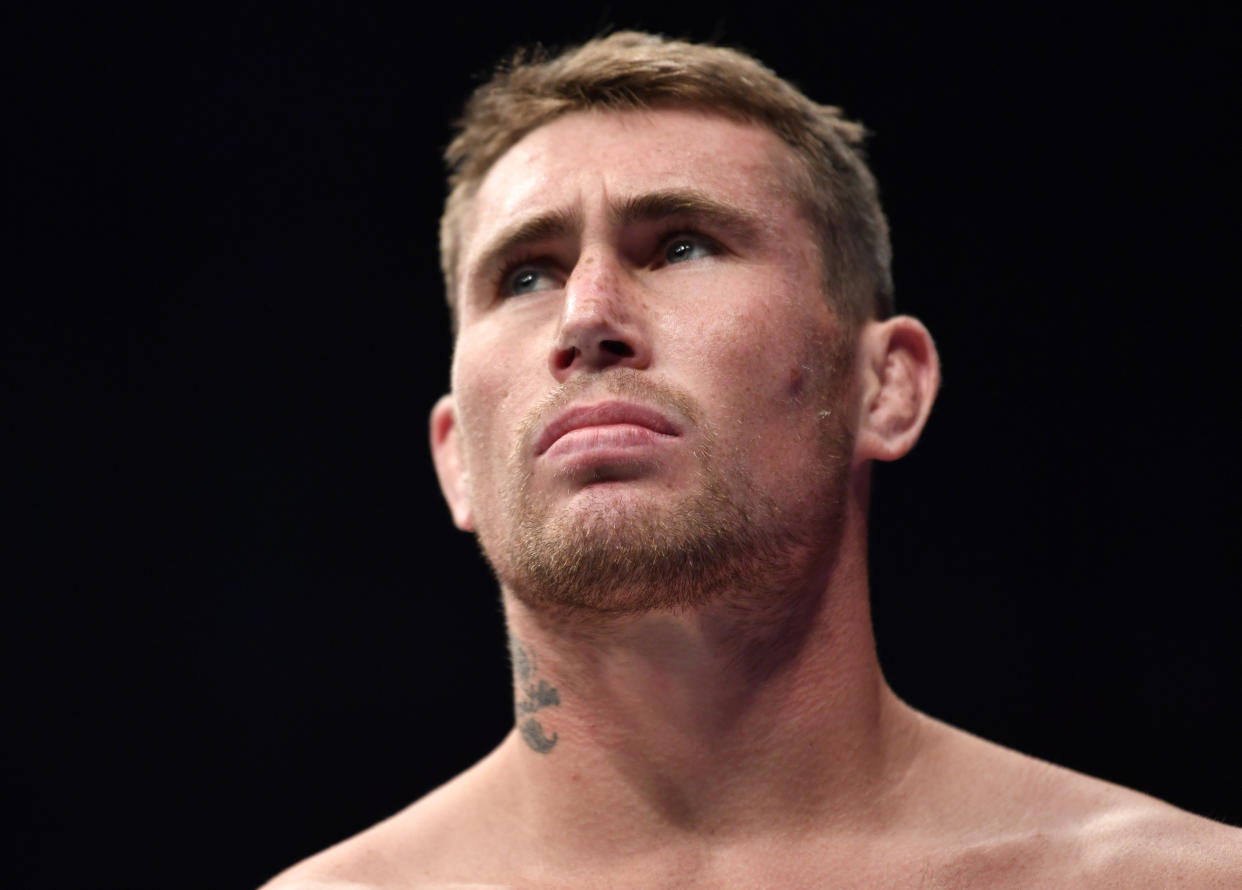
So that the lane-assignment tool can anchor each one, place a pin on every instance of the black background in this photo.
(238, 625)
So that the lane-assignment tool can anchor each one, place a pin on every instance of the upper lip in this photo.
(602, 414)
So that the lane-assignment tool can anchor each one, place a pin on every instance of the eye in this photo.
(527, 280)
(686, 247)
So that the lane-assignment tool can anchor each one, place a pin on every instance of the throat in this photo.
(715, 716)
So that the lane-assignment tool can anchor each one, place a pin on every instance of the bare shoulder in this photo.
(420, 848)
(1030, 822)
(1143, 842)
(1143, 847)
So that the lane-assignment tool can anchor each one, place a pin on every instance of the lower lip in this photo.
(613, 437)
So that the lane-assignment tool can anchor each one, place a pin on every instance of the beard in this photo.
(724, 539)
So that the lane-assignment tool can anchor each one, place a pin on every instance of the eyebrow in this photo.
(648, 207)
(654, 206)
(544, 227)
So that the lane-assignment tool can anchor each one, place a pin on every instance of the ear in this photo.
(899, 374)
(450, 468)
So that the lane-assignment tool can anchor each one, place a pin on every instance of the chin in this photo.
(615, 552)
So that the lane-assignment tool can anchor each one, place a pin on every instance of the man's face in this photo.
(649, 382)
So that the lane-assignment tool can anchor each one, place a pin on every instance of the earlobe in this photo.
(450, 468)
(900, 375)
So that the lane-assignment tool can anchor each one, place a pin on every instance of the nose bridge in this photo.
(594, 287)
(600, 324)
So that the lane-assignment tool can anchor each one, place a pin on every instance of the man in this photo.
(676, 360)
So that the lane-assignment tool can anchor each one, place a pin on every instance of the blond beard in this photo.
(725, 536)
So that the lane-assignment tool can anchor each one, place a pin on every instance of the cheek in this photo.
(763, 360)
(768, 388)
(484, 386)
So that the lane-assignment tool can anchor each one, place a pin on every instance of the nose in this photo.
(602, 320)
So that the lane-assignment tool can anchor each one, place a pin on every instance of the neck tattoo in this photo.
(531, 697)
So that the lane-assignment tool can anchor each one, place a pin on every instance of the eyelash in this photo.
(505, 276)
(663, 240)
(675, 235)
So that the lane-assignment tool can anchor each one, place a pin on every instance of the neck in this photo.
(724, 720)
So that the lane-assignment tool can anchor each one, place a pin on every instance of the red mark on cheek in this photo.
(797, 381)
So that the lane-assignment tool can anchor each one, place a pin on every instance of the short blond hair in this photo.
(631, 70)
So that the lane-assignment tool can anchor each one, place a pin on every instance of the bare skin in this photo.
(747, 739)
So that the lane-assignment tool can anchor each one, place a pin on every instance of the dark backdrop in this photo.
(238, 625)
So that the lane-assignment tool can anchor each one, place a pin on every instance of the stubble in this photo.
(724, 537)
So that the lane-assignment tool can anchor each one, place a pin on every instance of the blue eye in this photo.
(528, 280)
(679, 250)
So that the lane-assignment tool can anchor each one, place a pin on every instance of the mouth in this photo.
(607, 424)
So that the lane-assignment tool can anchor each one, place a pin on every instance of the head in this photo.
(631, 71)
(669, 278)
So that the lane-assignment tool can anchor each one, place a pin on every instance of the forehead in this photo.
(615, 155)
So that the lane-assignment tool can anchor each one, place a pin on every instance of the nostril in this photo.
(617, 348)
(597, 355)
(565, 357)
